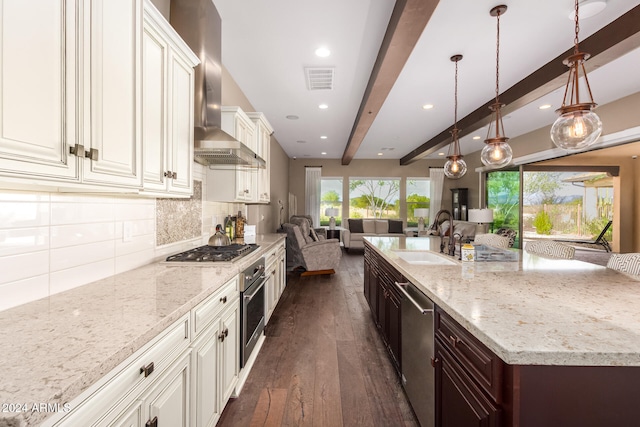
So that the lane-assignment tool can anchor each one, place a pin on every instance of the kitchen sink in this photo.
(424, 258)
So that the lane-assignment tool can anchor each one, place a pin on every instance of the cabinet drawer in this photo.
(483, 365)
(271, 257)
(122, 384)
(207, 310)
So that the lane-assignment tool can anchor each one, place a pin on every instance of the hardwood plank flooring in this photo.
(323, 362)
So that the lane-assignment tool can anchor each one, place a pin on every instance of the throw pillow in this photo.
(369, 226)
(314, 235)
(395, 226)
(355, 225)
(382, 226)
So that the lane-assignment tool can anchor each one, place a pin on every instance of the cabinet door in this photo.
(206, 395)
(230, 356)
(38, 89)
(168, 401)
(459, 402)
(394, 328)
(131, 417)
(264, 176)
(154, 101)
(111, 92)
(180, 125)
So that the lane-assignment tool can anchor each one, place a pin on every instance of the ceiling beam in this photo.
(406, 25)
(612, 41)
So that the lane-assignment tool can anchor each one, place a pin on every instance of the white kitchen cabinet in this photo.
(78, 123)
(131, 389)
(234, 183)
(275, 269)
(263, 149)
(167, 107)
(216, 354)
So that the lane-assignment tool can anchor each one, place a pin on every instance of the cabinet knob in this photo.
(223, 300)
(168, 174)
(174, 175)
(226, 332)
(152, 423)
(77, 149)
(434, 361)
(92, 154)
(147, 370)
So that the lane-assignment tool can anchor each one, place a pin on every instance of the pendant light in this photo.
(455, 167)
(577, 127)
(496, 153)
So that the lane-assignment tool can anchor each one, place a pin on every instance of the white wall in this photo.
(52, 242)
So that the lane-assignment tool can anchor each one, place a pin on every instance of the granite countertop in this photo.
(537, 311)
(54, 348)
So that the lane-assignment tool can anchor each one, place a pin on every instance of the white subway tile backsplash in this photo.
(81, 213)
(63, 280)
(23, 214)
(68, 235)
(52, 242)
(75, 256)
(23, 291)
(23, 266)
(23, 240)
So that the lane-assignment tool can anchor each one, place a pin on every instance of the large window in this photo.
(417, 197)
(503, 196)
(374, 198)
(566, 204)
(330, 198)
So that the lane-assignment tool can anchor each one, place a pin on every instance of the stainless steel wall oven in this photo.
(252, 310)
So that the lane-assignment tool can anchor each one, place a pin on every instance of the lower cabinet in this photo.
(215, 361)
(276, 271)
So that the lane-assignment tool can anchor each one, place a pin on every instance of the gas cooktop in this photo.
(214, 253)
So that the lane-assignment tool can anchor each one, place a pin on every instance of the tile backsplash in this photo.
(52, 242)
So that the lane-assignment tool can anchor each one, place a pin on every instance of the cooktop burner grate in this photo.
(213, 253)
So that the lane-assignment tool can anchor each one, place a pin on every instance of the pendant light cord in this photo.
(498, 56)
(455, 99)
(575, 40)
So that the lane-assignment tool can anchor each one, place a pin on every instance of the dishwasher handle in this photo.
(422, 310)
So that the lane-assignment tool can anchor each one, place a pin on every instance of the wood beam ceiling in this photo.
(611, 42)
(407, 22)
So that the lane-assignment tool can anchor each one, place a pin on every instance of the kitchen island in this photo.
(56, 348)
(559, 340)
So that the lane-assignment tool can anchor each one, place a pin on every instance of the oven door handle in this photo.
(248, 297)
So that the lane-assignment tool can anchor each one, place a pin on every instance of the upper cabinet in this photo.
(234, 183)
(263, 149)
(167, 107)
(78, 121)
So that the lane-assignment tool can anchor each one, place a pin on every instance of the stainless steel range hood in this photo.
(200, 26)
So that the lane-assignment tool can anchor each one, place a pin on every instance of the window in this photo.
(417, 197)
(330, 198)
(374, 198)
(503, 196)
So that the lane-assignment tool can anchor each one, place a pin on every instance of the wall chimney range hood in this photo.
(200, 26)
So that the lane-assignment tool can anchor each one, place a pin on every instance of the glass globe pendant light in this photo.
(455, 167)
(496, 153)
(577, 127)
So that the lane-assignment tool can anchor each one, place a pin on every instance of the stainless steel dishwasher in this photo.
(417, 350)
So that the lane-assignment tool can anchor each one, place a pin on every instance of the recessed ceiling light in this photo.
(324, 153)
(544, 106)
(440, 154)
(292, 117)
(476, 137)
(323, 137)
(427, 106)
(323, 52)
(379, 154)
(323, 106)
(588, 8)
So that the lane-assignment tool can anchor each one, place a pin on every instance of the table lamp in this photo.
(482, 217)
(332, 212)
(421, 214)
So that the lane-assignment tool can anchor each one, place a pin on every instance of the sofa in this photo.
(357, 228)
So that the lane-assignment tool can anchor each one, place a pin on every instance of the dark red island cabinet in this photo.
(474, 387)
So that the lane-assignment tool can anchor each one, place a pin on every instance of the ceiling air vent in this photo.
(319, 78)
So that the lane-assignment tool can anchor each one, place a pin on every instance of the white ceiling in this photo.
(267, 44)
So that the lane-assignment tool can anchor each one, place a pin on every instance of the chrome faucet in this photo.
(451, 250)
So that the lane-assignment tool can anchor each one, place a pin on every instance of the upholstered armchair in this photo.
(320, 231)
(314, 255)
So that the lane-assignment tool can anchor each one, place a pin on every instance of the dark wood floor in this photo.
(323, 362)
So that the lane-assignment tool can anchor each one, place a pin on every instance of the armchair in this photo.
(320, 256)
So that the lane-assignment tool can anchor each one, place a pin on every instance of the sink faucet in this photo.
(452, 238)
